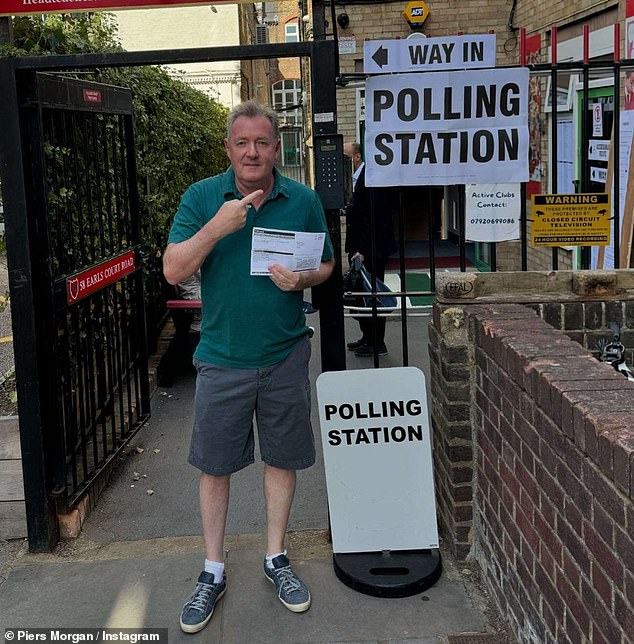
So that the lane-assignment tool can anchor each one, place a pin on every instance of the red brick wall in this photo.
(553, 471)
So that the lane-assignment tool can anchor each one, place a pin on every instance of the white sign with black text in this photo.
(447, 128)
(492, 212)
(377, 459)
(429, 54)
(598, 150)
(598, 175)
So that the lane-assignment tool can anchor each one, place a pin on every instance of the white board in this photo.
(377, 459)
(446, 128)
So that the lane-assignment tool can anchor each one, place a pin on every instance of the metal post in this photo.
(523, 217)
(616, 147)
(553, 132)
(585, 102)
(403, 275)
(134, 206)
(329, 295)
(41, 520)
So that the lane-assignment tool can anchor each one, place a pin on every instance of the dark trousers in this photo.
(368, 324)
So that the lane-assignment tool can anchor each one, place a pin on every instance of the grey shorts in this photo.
(226, 401)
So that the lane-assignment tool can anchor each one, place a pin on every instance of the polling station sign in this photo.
(447, 128)
(571, 220)
(377, 459)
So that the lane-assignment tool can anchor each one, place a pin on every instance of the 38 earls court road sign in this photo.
(571, 220)
(446, 128)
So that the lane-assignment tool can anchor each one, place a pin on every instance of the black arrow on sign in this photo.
(380, 56)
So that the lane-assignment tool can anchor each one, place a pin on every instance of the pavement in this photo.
(140, 552)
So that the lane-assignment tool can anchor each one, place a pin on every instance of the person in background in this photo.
(359, 244)
(253, 354)
(189, 289)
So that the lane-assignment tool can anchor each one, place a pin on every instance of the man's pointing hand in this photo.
(232, 215)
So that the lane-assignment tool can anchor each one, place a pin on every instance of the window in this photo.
(291, 32)
(291, 153)
(287, 95)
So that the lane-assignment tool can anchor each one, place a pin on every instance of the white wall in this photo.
(183, 28)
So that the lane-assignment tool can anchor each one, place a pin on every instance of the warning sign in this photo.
(571, 220)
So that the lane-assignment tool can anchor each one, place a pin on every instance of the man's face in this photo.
(252, 150)
(356, 158)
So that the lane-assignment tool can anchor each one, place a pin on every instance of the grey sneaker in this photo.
(199, 608)
(291, 590)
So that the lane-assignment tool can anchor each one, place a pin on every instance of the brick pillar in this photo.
(451, 360)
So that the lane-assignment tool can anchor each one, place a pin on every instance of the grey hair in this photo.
(356, 148)
(251, 109)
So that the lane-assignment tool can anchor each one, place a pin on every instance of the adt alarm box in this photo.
(329, 172)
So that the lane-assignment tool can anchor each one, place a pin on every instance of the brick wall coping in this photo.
(535, 286)
(588, 400)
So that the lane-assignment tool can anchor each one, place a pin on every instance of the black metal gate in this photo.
(70, 194)
(88, 308)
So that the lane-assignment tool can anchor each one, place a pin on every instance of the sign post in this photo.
(378, 464)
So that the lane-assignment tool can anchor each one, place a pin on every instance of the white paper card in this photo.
(297, 251)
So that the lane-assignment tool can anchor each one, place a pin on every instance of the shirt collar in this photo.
(357, 172)
(280, 185)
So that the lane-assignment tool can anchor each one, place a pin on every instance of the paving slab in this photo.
(143, 584)
(139, 555)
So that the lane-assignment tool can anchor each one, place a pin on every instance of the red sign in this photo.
(92, 96)
(82, 284)
(18, 7)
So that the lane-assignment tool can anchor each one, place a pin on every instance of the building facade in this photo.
(361, 20)
(188, 27)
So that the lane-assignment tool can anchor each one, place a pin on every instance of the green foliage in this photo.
(179, 130)
(179, 136)
(63, 34)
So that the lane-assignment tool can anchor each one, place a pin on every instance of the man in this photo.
(359, 244)
(254, 350)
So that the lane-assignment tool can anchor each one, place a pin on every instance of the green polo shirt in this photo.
(247, 321)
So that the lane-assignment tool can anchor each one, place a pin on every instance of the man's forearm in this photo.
(314, 278)
(183, 259)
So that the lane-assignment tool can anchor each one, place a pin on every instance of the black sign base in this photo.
(389, 574)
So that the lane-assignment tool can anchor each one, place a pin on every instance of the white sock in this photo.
(216, 568)
(269, 558)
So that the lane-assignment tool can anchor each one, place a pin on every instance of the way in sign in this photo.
(429, 54)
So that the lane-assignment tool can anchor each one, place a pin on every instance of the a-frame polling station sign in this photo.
(377, 459)
(429, 54)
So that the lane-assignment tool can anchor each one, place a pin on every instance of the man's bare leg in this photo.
(213, 492)
(279, 490)
(214, 502)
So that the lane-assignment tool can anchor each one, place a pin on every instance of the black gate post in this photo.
(329, 295)
(133, 188)
(41, 517)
